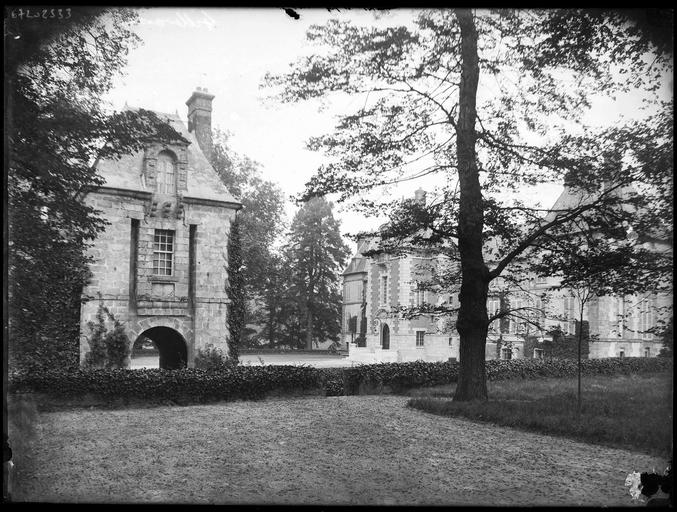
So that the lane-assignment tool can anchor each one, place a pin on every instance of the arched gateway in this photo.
(171, 346)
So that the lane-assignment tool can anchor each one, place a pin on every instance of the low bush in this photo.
(399, 377)
(229, 382)
(188, 385)
(212, 358)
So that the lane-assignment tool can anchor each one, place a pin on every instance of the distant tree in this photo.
(57, 127)
(279, 316)
(260, 223)
(317, 254)
(493, 101)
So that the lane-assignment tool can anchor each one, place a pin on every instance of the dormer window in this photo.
(166, 173)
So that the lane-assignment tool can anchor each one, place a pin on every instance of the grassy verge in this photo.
(628, 411)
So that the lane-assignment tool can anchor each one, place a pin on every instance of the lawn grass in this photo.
(345, 450)
(629, 411)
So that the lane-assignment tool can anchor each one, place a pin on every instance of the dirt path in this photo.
(316, 360)
(360, 450)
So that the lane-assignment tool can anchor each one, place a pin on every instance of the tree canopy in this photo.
(260, 224)
(58, 127)
(495, 102)
(316, 255)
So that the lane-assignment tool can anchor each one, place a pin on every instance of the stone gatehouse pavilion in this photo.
(160, 267)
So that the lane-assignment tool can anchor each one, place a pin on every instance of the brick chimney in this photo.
(200, 119)
(419, 196)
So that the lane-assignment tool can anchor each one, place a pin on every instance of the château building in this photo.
(161, 266)
(376, 287)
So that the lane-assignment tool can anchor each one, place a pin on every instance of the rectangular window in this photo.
(420, 338)
(570, 315)
(451, 341)
(419, 297)
(646, 318)
(163, 252)
(621, 353)
(506, 353)
(384, 289)
(133, 259)
(493, 307)
(192, 240)
(647, 351)
(538, 353)
(539, 314)
(517, 325)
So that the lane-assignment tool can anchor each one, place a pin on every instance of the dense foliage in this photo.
(108, 348)
(57, 125)
(495, 102)
(236, 292)
(212, 358)
(238, 382)
(316, 254)
(260, 222)
(219, 380)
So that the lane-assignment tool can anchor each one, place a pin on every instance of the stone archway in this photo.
(171, 346)
(385, 337)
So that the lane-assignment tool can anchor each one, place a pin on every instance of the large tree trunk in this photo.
(472, 316)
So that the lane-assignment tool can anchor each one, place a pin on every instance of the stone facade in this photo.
(391, 282)
(160, 267)
(617, 325)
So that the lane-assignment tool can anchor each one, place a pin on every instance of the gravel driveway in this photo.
(357, 450)
(292, 358)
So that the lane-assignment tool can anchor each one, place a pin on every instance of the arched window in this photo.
(166, 173)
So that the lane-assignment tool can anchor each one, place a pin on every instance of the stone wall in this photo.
(141, 300)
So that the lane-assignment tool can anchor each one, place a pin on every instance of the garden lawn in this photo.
(627, 411)
(354, 450)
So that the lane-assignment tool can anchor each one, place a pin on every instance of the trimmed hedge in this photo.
(186, 385)
(257, 382)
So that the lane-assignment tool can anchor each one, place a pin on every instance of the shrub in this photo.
(184, 385)
(225, 381)
(109, 349)
(333, 382)
(212, 358)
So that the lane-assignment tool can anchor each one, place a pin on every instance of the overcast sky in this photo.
(228, 51)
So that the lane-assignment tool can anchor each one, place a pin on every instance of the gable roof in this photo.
(202, 180)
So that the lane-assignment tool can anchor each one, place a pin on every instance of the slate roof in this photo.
(358, 264)
(202, 180)
(573, 197)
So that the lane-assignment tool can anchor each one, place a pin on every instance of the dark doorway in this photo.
(171, 346)
(144, 354)
(385, 337)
